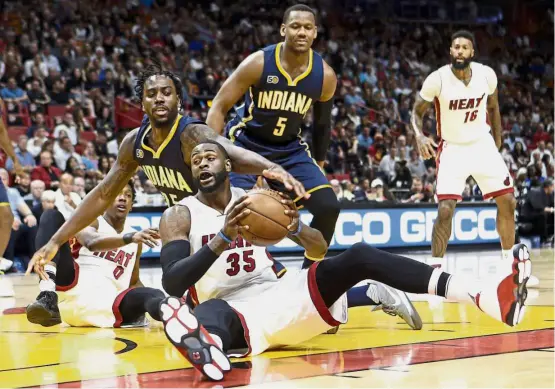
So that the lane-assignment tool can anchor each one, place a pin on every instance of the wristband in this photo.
(298, 230)
(128, 238)
(224, 237)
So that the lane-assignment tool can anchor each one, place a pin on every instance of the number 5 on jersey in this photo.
(280, 126)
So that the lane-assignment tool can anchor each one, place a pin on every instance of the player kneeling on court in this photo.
(96, 272)
(244, 307)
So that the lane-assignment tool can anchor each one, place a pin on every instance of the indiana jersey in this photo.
(166, 167)
(241, 270)
(461, 110)
(116, 265)
(274, 108)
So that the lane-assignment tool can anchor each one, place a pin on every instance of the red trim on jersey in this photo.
(317, 299)
(115, 308)
(75, 247)
(498, 193)
(438, 116)
(73, 283)
(245, 331)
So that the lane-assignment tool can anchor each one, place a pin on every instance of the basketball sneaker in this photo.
(394, 303)
(191, 339)
(5, 264)
(44, 310)
(505, 301)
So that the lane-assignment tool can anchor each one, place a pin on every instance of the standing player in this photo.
(97, 272)
(280, 84)
(465, 97)
(246, 307)
(162, 147)
(6, 216)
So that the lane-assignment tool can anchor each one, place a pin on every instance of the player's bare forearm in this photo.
(94, 241)
(216, 118)
(420, 108)
(100, 198)
(5, 143)
(495, 117)
(243, 161)
(312, 241)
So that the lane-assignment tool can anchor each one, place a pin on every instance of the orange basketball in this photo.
(267, 221)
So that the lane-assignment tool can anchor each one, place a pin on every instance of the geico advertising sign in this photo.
(379, 227)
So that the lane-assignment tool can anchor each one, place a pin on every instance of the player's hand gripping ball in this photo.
(272, 216)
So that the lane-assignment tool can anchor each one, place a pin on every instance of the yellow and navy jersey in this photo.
(274, 109)
(166, 167)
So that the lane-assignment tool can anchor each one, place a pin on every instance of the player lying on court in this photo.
(97, 272)
(245, 308)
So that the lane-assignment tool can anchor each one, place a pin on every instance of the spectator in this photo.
(12, 93)
(69, 127)
(416, 165)
(45, 172)
(37, 95)
(417, 192)
(364, 141)
(24, 157)
(387, 164)
(79, 186)
(34, 145)
(66, 199)
(37, 189)
(63, 152)
(47, 201)
(377, 191)
(538, 211)
(60, 95)
(23, 184)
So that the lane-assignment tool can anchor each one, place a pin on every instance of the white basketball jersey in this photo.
(115, 264)
(241, 271)
(461, 110)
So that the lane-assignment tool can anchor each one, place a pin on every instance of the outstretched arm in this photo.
(243, 161)
(95, 241)
(322, 116)
(100, 198)
(248, 73)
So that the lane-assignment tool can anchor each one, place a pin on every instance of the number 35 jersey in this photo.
(461, 110)
(241, 270)
(274, 108)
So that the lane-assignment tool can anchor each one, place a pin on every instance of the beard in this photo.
(219, 179)
(460, 65)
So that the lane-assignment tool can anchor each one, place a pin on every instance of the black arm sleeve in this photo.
(322, 129)
(180, 270)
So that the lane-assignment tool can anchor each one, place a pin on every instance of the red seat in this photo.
(56, 110)
(15, 132)
(88, 136)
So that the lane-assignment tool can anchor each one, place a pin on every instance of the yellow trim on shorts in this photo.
(281, 272)
(243, 122)
(313, 258)
(313, 190)
(4, 204)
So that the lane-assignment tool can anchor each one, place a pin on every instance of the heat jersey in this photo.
(166, 167)
(241, 271)
(461, 110)
(274, 108)
(116, 265)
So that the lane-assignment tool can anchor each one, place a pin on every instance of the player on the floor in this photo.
(97, 272)
(162, 147)
(244, 307)
(6, 216)
(467, 110)
(280, 84)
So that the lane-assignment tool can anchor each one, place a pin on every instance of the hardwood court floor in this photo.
(458, 347)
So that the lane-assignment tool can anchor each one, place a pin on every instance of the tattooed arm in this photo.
(100, 198)
(243, 161)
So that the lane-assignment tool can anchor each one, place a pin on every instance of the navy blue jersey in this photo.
(166, 167)
(275, 107)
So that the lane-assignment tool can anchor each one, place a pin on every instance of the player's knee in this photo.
(327, 204)
(506, 204)
(445, 210)
(52, 218)
(361, 250)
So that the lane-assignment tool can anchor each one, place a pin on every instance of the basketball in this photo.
(267, 221)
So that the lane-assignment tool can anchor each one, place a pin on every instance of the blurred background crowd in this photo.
(68, 69)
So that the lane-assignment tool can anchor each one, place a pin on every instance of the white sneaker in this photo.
(5, 264)
(395, 303)
(6, 287)
(505, 301)
(533, 282)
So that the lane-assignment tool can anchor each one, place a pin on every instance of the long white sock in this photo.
(451, 287)
(49, 285)
(507, 254)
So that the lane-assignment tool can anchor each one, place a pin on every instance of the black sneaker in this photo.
(45, 310)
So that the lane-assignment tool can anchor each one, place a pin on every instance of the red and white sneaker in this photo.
(191, 339)
(505, 301)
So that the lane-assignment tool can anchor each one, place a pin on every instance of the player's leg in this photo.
(61, 272)
(6, 222)
(136, 302)
(451, 177)
(503, 300)
(202, 334)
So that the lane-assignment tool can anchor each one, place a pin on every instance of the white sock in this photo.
(47, 286)
(218, 340)
(507, 254)
(456, 288)
(437, 262)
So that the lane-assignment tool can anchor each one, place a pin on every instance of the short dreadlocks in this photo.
(155, 69)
